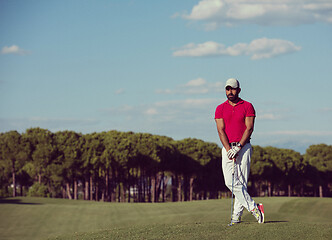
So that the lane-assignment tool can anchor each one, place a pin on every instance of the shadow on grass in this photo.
(266, 222)
(16, 201)
(275, 222)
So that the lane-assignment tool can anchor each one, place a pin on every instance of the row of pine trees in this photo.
(141, 167)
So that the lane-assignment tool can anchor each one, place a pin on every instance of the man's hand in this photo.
(233, 152)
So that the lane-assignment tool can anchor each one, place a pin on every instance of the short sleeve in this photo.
(219, 112)
(250, 111)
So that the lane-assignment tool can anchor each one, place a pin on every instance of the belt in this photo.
(233, 144)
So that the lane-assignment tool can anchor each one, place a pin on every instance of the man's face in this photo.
(232, 93)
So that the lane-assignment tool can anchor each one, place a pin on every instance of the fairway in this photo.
(42, 218)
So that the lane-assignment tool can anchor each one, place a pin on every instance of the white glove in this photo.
(233, 152)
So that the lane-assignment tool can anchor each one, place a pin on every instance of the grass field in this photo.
(41, 218)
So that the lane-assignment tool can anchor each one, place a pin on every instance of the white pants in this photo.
(241, 175)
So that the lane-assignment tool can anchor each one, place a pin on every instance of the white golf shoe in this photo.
(258, 213)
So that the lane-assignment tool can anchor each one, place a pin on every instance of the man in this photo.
(235, 123)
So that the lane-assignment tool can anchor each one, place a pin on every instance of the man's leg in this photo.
(227, 166)
(243, 170)
(242, 198)
(228, 169)
(241, 175)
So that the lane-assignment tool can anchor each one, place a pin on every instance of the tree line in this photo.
(141, 167)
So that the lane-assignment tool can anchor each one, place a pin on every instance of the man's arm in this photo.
(222, 135)
(249, 121)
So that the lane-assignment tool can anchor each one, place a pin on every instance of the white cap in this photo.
(232, 82)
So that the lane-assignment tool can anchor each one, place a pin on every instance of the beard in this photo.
(232, 97)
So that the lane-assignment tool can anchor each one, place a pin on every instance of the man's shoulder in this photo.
(223, 104)
(245, 102)
(249, 108)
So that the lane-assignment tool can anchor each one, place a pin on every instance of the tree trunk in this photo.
(140, 188)
(129, 193)
(302, 189)
(119, 192)
(107, 190)
(96, 190)
(123, 195)
(91, 186)
(113, 186)
(165, 183)
(68, 191)
(63, 192)
(179, 189)
(75, 189)
(174, 187)
(86, 196)
(145, 194)
(320, 191)
(148, 189)
(103, 195)
(191, 188)
(153, 185)
(289, 190)
(135, 185)
(185, 188)
(14, 181)
(159, 182)
(269, 189)
(128, 185)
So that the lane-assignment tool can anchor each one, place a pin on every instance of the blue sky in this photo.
(160, 66)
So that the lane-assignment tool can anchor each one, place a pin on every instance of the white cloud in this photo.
(275, 113)
(195, 86)
(196, 82)
(172, 110)
(217, 13)
(174, 118)
(151, 111)
(257, 49)
(14, 49)
(206, 9)
(186, 103)
(326, 110)
(268, 116)
(119, 91)
(202, 49)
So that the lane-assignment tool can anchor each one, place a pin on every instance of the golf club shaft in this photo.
(233, 170)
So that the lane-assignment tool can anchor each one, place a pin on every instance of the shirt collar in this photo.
(238, 103)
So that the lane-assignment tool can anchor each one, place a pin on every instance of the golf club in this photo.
(232, 190)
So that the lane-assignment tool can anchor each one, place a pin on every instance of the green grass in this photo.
(39, 218)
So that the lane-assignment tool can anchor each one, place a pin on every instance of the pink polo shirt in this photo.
(234, 118)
